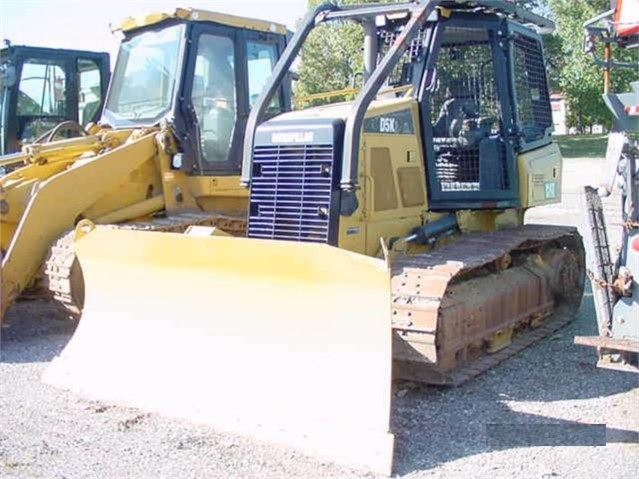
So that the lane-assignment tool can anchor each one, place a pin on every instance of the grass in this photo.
(582, 146)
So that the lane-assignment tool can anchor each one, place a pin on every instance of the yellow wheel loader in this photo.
(385, 239)
(165, 156)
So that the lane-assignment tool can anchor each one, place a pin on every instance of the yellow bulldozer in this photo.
(164, 157)
(385, 240)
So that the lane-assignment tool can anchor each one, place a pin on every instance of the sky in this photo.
(84, 24)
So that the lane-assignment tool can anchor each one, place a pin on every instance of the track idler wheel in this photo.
(566, 274)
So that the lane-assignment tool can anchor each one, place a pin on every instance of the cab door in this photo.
(92, 74)
(226, 71)
(468, 118)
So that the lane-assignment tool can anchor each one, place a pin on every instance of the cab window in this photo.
(261, 60)
(214, 96)
(90, 94)
(42, 89)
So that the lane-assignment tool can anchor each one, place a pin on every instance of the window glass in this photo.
(261, 60)
(42, 89)
(145, 76)
(214, 96)
(90, 94)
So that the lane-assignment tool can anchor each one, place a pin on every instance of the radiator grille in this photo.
(291, 192)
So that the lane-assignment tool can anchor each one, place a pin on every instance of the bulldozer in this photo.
(165, 155)
(385, 240)
(613, 274)
(42, 88)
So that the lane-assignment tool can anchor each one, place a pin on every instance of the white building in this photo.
(558, 105)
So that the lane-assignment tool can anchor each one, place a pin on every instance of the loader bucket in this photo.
(281, 341)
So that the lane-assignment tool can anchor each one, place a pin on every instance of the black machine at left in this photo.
(46, 92)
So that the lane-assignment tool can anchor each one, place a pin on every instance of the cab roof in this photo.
(196, 15)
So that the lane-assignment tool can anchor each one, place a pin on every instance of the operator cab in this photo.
(198, 72)
(483, 94)
(43, 87)
(449, 114)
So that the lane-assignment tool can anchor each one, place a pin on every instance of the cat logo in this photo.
(293, 137)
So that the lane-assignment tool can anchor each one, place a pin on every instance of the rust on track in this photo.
(464, 307)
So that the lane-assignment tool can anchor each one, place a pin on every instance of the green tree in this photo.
(537, 6)
(331, 57)
(576, 73)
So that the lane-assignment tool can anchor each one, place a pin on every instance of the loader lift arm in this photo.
(97, 177)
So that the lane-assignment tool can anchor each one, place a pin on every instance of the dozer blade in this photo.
(287, 342)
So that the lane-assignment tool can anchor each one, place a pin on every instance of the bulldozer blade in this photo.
(284, 342)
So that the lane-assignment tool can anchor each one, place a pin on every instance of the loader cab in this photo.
(199, 73)
(43, 87)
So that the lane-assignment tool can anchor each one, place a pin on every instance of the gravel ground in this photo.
(547, 412)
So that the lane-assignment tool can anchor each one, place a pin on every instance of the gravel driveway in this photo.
(547, 412)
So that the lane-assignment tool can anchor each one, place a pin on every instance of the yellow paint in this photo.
(387, 219)
(540, 176)
(208, 185)
(140, 184)
(411, 184)
(13, 159)
(195, 15)
(175, 183)
(82, 228)
(137, 210)
(197, 230)
(500, 340)
(111, 177)
(329, 94)
(352, 229)
(488, 220)
(240, 307)
(59, 202)
(444, 12)
(381, 174)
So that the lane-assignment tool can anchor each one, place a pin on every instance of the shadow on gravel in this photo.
(34, 332)
(429, 447)
(433, 426)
